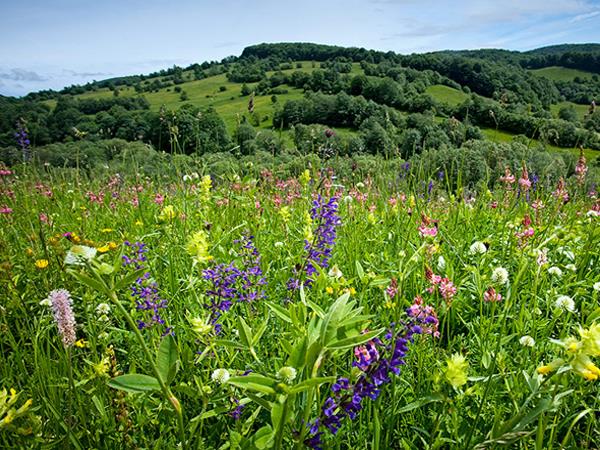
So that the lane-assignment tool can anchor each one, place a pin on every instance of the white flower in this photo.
(527, 341)
(500, 275)
(220, 376)
(360, 185)
(348, 199)
(441, 263)
(597, 286)
(555, 271)
(335, 272)
(571, 267)
(287, 374)
(566, 252)
(103, 309)
(278, 244)
(46, 302)
(477, 248)
(592, 213)
(79, 254)
(565, 303)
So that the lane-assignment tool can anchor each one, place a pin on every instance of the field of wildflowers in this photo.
(301, 312)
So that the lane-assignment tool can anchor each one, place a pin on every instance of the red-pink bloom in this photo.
(581, 168)
(447, 289)
(561, 191)
(5, 210)
(5, 172)
(159, 199)
(60, 299)
(429, 322)
(524, 181)
(491, 295)
(508, 178)
(392, 289)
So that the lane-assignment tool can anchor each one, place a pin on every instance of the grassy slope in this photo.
(561, 73)
(445, 94)
(581, 110)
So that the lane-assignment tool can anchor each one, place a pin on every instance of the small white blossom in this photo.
(565, 303)
(500, 275)
(335, 272)
(441, 263)
(278, 244)
(527, 341)
(46, 302)
(597, 286)
(287, 374)
(571, 267)
(220, 376)
(555, 271)
(360, 185)
(477, 248)
(103, 308)
(80, 254)
(348, 199)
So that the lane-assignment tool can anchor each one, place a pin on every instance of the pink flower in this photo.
(159, 199)
(524, 181)
(5, 210)
(491, 295)
(60, 299)
(508, 178)
(447, 289)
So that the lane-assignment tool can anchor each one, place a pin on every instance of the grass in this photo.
(474, 366)
(581, 110)
(561, 73)
(446, 94)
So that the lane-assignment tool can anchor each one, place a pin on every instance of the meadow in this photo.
(385, 309)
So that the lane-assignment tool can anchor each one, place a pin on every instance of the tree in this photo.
(568, 113)
(245, 90)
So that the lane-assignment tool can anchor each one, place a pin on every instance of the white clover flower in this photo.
(103, 335)
(103, 308)
(80, 254)
(555, 271)
(46, 302)
(335, 272)
(527, 341)
(571, 267)
(597, 286)
(348, 199)
(287, 374)
(278, 244)
(565, 303)
(500, 275)
(477, 248)
(360, 185)
(220, 376)
(441, 263)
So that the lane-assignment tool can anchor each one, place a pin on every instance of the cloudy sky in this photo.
(53, 43)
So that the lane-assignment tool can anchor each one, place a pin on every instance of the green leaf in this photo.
(229, 343)
(297, 355)
(245, 332)
(420, 402)
(263, 438)
(97, 285)
(354, 341)
(280, 312)
(311, 382)
(135, 383)
(129, 279)
(167, 359)
(359, 270)
(254, 382)
(260, 331)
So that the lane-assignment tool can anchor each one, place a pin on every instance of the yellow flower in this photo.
(544, 370)
(29, 252)
(112, 245)
(139, 223)
(107, 230)
(197, 247)
(103, 249)
(167, 214)
(329, 290)
(371, 218)
(389, 304)
(285, 213)
(81, 343)
(350, 290)
(305, 177)
(101, 369)
(308, 233)
(456, 370)
(41, 263)
(200, 326)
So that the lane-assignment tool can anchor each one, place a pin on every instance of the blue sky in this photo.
(53, 43)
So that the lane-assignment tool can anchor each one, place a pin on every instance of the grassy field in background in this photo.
(445, 94)
(581, 110)
(561, 73)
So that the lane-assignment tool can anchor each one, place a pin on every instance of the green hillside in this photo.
(562, 73)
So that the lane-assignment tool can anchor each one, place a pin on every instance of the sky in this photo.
(49, 44)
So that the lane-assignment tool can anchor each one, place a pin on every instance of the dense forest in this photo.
(383, 103)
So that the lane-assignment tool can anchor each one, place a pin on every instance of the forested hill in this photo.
(280, 97)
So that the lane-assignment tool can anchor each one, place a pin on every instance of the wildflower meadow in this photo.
(298, 309)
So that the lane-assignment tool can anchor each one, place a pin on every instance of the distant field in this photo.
(502, 136)
(561, 73)
(445, 94)
(582, 110)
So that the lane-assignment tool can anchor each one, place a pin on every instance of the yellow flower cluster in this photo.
(578, 354)
(456, 370)
(167, 214)
(197, 247)
(105, 248)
